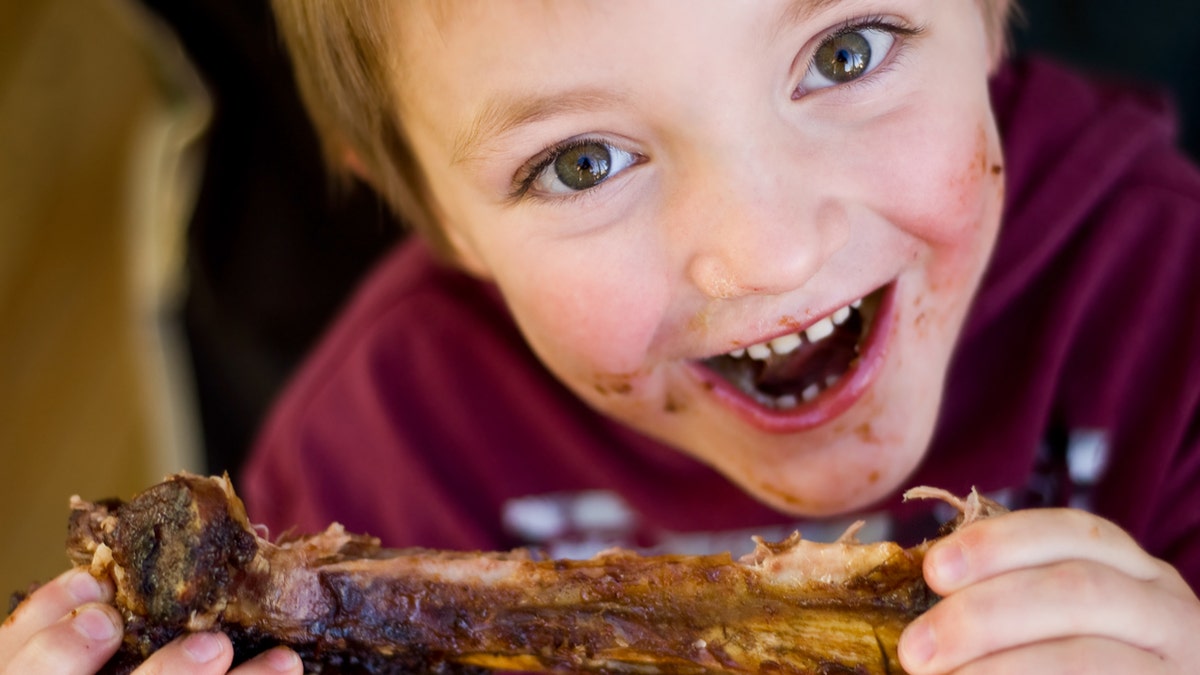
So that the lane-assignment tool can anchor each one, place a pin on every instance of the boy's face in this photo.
(654, 185)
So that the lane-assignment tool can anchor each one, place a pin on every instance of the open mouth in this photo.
(789, 370)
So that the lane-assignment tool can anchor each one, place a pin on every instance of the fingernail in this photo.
(95, 624)
(202, 647)
(83, 587)
(282, 660)
(917, 644)
(949, 564)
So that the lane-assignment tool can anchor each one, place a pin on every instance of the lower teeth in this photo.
(789, 401)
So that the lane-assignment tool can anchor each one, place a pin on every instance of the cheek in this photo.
(943, 179)
(588, 310)
(946, 189)
(589, 305)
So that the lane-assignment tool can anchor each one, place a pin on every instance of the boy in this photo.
(743, 264)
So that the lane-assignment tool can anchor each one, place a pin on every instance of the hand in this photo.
(67, 627)
(1051, 591)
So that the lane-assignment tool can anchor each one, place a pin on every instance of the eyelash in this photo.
(529, 173)
(901, 33)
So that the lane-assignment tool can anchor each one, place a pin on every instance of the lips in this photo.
(804, 378)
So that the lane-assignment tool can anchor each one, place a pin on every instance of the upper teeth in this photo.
(786, 344)
(819, 330)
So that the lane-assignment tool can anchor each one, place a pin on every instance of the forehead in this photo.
(427, 22)
(443, 13)
(435, 18)
(460, 61)
(488, 42)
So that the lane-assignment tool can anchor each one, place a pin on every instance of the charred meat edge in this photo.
(184, 557)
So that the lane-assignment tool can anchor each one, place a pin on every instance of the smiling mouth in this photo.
(789, 370)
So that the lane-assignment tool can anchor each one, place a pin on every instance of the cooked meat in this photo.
(184, 557)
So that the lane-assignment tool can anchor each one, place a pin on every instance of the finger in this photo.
(271, 662)
(1035, 538)
(196, 654)
(78, 643)
(1063, 600)
(50, 603)
(1075, 655)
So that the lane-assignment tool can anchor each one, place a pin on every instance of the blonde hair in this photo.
(342, 57)
(998, 16)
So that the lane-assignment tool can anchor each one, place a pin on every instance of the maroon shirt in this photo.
(423, 418)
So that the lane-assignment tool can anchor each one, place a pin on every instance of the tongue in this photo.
(791, 374)
(809, 364)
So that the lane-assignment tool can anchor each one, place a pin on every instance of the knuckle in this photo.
(1082, 581)
(1096, 528)
(1077, 657)
(1179, 635)
(151, 667)
(1167, 574)
(55, 650)
(977, 536)
(1094, 656)
(954, 620)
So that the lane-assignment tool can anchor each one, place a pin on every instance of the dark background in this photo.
(273, 251)
(1152, 41)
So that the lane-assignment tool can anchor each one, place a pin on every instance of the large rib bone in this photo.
(184, 557)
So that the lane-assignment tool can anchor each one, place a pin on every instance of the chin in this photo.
(854, 463)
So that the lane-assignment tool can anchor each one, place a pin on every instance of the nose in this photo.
(760, 234)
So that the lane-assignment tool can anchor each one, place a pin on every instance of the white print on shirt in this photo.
(578, 525)
(587, 518)
(1087, 458)
(1068, 466)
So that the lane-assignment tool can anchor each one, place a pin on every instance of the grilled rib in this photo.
(184, 557)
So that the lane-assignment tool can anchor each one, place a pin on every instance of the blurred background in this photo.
(170, 247)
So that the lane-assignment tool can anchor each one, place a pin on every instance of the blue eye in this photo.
(848, 55)
(578, 165)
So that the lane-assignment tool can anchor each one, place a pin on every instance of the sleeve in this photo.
(346, 448)
(1178, 517)
(1149, 305)
(368, 432)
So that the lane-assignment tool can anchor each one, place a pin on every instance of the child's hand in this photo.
(1051, 591)
(67, 628)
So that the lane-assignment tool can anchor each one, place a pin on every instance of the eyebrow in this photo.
(799, 11)
(501, 115)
